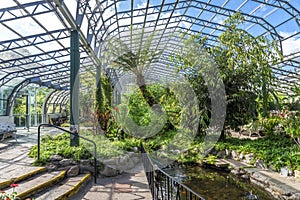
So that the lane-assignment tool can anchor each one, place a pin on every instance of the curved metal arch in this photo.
(13, 94)
(61, 98)
(35, 10)
(65, 99)
(281, 4)
(98, 23)
(6, 78)
(33, 40)
(44, 106)
(31, 59)
(52, 99)
(198, 5)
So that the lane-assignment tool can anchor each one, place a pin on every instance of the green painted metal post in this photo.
(74, 88)
(27, 111)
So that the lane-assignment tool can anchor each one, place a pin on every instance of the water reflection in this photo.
(218, 185)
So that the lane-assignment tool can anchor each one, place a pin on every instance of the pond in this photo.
(218, 185)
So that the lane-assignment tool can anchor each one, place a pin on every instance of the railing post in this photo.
(39, 143)
(94, 144)
(160, 180)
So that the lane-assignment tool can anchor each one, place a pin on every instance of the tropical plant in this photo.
(292, 101)
(103, 103)
(244, 63)
(135, 60)
(292, 127)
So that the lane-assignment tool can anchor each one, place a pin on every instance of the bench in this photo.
(7, 130)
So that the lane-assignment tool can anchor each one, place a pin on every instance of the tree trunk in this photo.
(140, 81)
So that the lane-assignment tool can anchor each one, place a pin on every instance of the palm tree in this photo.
(136, 60)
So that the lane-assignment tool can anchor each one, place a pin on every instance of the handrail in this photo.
(76, 135)
(160, 181)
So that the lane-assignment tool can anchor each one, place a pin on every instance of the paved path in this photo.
(127, 186)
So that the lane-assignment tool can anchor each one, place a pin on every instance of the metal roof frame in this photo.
(97, 21)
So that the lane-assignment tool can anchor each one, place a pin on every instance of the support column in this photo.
(27, 117)
(74, 88)
(35, 108)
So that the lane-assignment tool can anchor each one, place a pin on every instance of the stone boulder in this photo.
(55, 158)
(109, 172)
(73, 171)
(67, 162)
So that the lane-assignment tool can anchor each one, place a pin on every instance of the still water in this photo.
(218, 185)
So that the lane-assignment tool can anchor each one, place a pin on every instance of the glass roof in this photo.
(35, 34)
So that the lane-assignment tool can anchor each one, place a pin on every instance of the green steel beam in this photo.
(74, 87)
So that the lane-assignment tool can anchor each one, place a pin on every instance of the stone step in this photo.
(219, 163)
(64, 189)
(11, 173)
(37, 183)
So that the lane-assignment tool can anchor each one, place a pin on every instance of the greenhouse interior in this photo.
(148, 99)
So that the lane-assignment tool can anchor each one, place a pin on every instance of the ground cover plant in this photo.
(275, 151)
(58, 144)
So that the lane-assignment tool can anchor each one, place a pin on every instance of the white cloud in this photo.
(290, 45)
(219, 19)
(7, 3)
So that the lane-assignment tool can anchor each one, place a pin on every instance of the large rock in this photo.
(67, 162)
(86, 166)
(234, 155)
(55, 158)
(297, 174)
(260, 164)
(125, 163)
(73, 171)
(85, 162)
(51, 166)
(221, 154)
(109, 172)
(249, 157)
(111, 162)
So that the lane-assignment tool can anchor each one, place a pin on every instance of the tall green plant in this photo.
(103, 102)
(244, 62)
(135, 60)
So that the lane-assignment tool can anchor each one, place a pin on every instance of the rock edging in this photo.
(108, 167)
(280, 186)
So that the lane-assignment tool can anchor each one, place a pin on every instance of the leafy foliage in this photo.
(58, 144)
(244, 63)
(292, 127)
(103, 103)
(139, 110)
(273, 150)
(134, 60)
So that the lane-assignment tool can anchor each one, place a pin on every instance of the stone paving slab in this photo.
(11, 171)
(126, 186)
(63, 189)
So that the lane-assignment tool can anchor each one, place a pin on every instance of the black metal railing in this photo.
(75, 135)
(162, 185)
